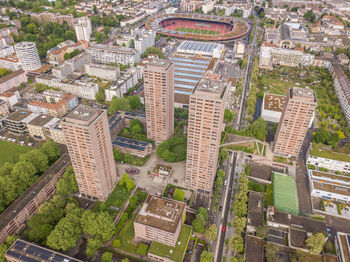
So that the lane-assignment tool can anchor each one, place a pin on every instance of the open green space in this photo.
(126, 237)
(285, 193)
(174, 253)
(173, 149)
(9, 152)
(278, 81)
(321, 150)
(196, 31)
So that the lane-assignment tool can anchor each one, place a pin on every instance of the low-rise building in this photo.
(124, 83)
(12, 80)
(255, 211)
(76, 63)
(132, 20)
(324, 157)
(4, 108)
(160, 220)
(102, 71)
(46, 127)
(13, 219)
(76, 86)
(11, 97)
(342, 246)
(10, 62)
(22, 250)
(55, 55)
(329, 186)
(162, 171)
(136, 148)
(17, 121)
(272, 107)
(54, 108)
(238, 49)
(6, 50)
(113, 54)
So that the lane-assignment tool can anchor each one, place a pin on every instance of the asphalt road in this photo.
(226, 210)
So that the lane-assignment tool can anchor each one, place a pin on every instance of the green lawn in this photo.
(196, 31)
(174, 253)
(126, 237)
(324, 151)
(285, 193)
(9, 152)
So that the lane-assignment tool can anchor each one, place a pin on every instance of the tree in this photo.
(240, 208)
(23, 173)
(134, 201)
(153, 50)
(299, 256)
(67, 184)
(315, 243)
(203, 213)
(118, 104)
(118, 155)
(128, 158)
(207, 256)
(239, 224)
(310, 16)
(211, 232)
(125, 260)
(107, 257)
(136, 126)
(229, 116)
(132, 43)
(127, 182)
(236, 243)
(134, 102)
(51, 149)
(198, 225)
(116, 242)
(321, 136)
(99, 225)
(124, 217)
(92, 245)
(270, 252)
(179, 195)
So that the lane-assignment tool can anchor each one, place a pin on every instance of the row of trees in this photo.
(239, 222)
(257, 129)
(16, 178)
(325, 137)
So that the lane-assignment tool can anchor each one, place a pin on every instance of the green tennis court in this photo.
(285, 193)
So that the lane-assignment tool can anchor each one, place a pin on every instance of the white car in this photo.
(13, 140)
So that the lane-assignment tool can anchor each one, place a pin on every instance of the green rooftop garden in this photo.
(324, 151)
(174, 253)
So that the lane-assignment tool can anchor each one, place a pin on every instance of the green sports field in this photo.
(196, 31)
(285, 194)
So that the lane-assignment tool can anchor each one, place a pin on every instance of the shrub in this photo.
(116, 242)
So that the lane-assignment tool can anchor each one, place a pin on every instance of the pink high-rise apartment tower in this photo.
(90, 149)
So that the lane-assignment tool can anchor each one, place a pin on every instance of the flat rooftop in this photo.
(305, 93)
(22, 115)
(158, 62)
(41, 120)
(161, 213)
(25, 251)
(320, 174)
(83, 113)
(254, 249)
(274, 102)
(324, 151)
(255, 209)
(194, 46)
(213, 87)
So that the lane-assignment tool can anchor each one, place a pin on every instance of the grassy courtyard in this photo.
(196, 31)
(321, 150)
(9, 152)
(174, 253)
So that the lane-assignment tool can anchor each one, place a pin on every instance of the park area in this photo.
(10, 152)
(285, 193)
(278, 81)
(196, 31)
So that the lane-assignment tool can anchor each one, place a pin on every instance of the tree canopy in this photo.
(316, 242)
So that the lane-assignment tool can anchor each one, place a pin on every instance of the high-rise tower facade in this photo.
(296, 117)
(89, 145)
(158, 80)
(205, 123)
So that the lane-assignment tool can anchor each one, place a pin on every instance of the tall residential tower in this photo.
(90, 148)
(297, 114)
(205, 123)
(158, 80)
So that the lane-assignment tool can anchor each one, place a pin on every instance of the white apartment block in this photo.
(143, 39)
(324, 157)
(12, 80)
(6, 50)
(79, 88)
(28, 56)
(341, 85)
(83, 29)
(270, 56)
(10, 62)
(329, 186)
(112, 54)
(110, 73)
(123, 84)
(238, 49)
(132, 20)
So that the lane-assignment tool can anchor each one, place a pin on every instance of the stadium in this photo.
(199, 27)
